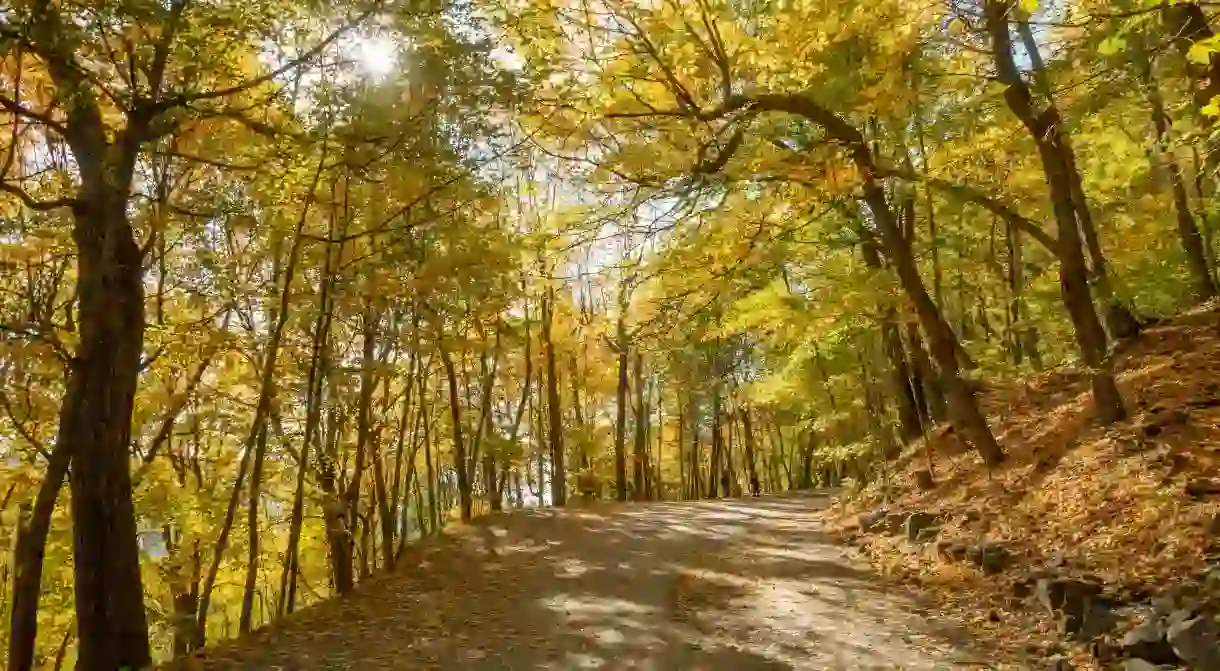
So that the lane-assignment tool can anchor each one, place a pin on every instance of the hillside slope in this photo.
(1125, 513)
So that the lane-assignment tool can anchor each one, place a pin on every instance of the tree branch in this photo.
(184, 99)
(20, 110)
(35, 204)
(21, 430)
(978, 197)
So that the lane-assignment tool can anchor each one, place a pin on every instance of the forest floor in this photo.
(734, 585)
(1132, 508)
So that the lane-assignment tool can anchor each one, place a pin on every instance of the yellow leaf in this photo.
(1200, 52)
(1111, 46)
(1029, 6)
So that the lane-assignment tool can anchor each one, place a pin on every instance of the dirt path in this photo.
(739, 585)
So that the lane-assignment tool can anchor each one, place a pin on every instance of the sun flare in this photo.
(378, 56)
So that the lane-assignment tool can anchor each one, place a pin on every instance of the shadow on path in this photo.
(735, 585)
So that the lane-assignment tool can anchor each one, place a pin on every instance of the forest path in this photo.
(733, 585)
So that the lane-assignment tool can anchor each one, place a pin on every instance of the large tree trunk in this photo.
(1046, 129)
(963, 406)
(420, 511)
(582, 457)
(964, 410)
(95, 425)
(679, 448)
(256, 480)
(387, 495)
(1119, 318)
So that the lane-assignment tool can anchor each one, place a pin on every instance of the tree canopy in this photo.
(288, 285)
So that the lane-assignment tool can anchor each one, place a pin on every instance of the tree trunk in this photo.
(433, 509)
(459, 445)
(319, 365)
(31, 542)
(747, 428)
(256, 483)
(963, 406)
(638, 459)
(784, 461)
(620, 425)
(729, 482)
(559, 485)
(713, 480)
(909, 415)
(1046, 129)
(525, 402)
(658, 484)
(1188, 232)
(388, 500)
(806, 481)
(366, 544)
(679, 447)
(926, 385)
(186, 605)
(364, 442)
(95, 423)
(256, 477)
(261, 410)
(485, 402)
(582, 457)
(539, 424)
(1121, 322)
(694, 473)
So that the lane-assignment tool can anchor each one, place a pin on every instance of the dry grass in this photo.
(1109, 499)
